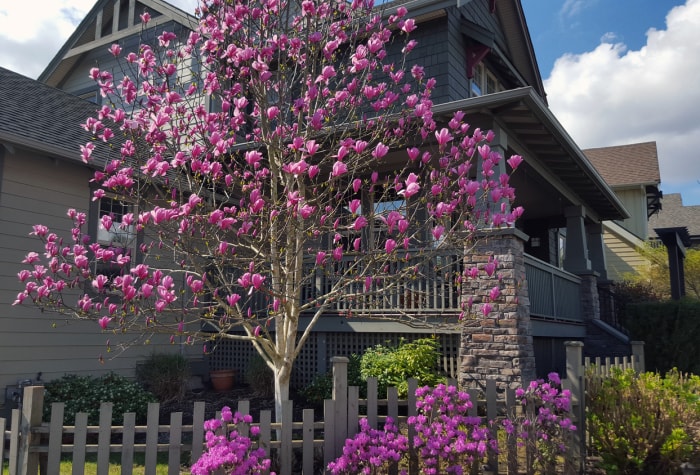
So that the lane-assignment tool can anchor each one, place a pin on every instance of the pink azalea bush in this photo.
(544, 426)
(229, 450)
(448, 440)
(371, 451)
(446, 437)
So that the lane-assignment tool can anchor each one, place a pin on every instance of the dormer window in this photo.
(484, 82)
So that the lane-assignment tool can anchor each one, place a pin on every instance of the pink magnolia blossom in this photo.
(104, 322)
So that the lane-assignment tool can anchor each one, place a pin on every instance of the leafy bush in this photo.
(321, 388)
(671, 330)
(643, 423)
(165, 375)
(259, 377)
(86, 393)
(394, 366)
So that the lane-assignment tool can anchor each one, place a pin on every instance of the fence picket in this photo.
(328, 431)
(265, 431)
(513, 409)
(174, 442)
(197, 431)
(392, 410)
(372, 402)
(2, 445)
(308, 441)
(55, 434)
(286, 441)
(103, 438)
(79, 443)
(353, 411)
(152, 423)
(14, 442)
(128, 436)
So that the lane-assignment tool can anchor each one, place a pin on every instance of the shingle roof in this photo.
(39, 117)
(674, 214)
(633, 164)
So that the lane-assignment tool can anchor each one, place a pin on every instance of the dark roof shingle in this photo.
(38, 117)
(633, 164)
(674, 214)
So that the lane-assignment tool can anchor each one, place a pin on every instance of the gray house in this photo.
(41, 177)
(482, 57)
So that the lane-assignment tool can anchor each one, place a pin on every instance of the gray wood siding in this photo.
(432, 54)
(40, 190)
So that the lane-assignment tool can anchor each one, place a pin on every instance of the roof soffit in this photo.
(524, 114)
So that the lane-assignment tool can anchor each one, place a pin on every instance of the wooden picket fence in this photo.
(34, 446)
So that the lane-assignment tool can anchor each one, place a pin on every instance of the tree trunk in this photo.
(282, 377)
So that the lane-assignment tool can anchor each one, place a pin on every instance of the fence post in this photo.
(32, 407)
(638, 356)
(340, 396)
(577, 381)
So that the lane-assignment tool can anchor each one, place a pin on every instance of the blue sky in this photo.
(615, 71)
(559, 27)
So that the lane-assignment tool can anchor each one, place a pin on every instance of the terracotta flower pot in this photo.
(222, 379)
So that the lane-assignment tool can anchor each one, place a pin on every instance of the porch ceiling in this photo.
(527, 118)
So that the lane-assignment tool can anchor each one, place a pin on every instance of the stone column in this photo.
(590, 299)
(498, 345)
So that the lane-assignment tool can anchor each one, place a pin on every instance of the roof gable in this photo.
(626, 165)
(109, 22)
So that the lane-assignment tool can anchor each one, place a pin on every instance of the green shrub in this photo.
(671, 331)
(260, 377)
(643, 423)
(321, 388)
(166, 375)
(393, 366)
(86, 393)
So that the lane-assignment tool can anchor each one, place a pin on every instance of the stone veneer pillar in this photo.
(590, 299)
(497, 346)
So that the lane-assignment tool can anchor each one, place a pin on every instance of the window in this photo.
(484, 82)
(118, 234)
(119, 238)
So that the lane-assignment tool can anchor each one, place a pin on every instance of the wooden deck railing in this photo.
(554, 293)
(428, 288)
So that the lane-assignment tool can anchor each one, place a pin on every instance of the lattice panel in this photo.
(321, 347)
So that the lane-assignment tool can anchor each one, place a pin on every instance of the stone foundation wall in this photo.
(499, 345)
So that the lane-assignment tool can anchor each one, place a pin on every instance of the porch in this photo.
(424, 305)
(432, 289)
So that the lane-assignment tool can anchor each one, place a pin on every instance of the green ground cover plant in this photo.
(86, 393)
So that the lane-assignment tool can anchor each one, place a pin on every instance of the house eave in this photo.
(525, 114)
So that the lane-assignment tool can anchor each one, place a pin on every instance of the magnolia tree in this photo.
(300, 148)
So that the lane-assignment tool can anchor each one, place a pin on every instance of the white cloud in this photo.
(612, 96)
(31, 36)
(572, 8)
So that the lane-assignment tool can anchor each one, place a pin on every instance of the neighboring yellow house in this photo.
(632, 171)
